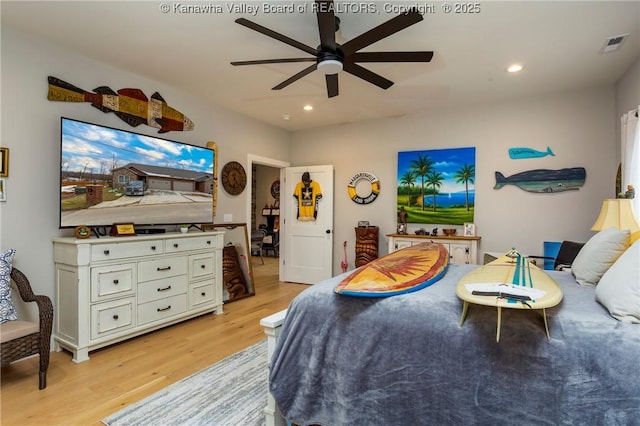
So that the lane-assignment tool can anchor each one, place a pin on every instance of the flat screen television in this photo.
(112, 176)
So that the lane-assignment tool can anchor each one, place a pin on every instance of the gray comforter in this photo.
(404, 360)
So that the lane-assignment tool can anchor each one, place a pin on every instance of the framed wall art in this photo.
(437, 186)
(469, 229)
(3, 189)
(4, 162)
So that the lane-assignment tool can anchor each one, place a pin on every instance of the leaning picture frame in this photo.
(469, 229)
(3, 189)
(4, 162)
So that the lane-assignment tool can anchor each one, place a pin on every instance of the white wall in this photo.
(30, 128)
(578, 126)
(627, 97)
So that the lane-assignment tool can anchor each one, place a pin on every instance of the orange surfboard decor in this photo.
(402, 271)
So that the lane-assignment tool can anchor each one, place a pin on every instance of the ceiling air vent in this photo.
(613, 43)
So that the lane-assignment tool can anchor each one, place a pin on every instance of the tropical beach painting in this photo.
(437, 186)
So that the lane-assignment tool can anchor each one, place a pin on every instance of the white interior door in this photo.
(307, 252)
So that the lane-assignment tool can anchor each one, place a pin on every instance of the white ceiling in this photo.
(558, 42)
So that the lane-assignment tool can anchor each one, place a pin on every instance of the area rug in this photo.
(230, 392)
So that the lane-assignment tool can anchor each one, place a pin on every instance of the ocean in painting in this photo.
(450, 199)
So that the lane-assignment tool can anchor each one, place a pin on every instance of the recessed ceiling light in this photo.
(308, 108)
(286, 117)
(515, 68)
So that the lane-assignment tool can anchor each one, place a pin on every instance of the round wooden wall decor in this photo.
(275, 189)
(375, 188)
(234, 178)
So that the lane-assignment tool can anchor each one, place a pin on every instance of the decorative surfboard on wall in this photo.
(402, 271)
(131, 105)
(521, 153)
(544, 180)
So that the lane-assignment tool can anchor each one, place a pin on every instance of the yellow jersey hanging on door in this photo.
(308, 193)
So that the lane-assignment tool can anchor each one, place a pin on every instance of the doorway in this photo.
(267, 171)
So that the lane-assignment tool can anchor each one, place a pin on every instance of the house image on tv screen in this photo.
(160, 178)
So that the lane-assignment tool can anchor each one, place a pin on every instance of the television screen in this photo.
(112, 176)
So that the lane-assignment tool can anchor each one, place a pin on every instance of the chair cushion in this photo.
(11, 330)
(619, 287)
(7, 310)
(567, 253)
(598, 254)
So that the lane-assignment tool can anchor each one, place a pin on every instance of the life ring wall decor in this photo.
(375, 188)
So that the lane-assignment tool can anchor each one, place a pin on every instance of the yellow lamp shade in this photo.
(617, 213)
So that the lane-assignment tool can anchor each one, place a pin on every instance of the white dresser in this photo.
(113, 288)
(461, 249)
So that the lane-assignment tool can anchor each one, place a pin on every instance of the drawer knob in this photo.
(153, 248)
(106, 252)
(175, 245)
(163, 309)
(164, 269)
(165, 288)
(203, 294)
(209, 242)
(203, 266)
(115, 317)
(116, 281)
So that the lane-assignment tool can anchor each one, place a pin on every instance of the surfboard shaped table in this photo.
(403, 271)
(493, 285)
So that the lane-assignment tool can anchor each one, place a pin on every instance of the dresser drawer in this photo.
(160, 289)
(201, 266)
(112, 281)
(126, 250)
(160, 309)
(177, 245)
(166, 267)
(201, 294)
(112, 317)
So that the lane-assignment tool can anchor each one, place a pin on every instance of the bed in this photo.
(405, 360)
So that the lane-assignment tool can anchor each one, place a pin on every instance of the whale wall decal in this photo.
(520, 153)
(131, 105)
(544, 180)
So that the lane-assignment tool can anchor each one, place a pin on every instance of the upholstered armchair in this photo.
(24, 338)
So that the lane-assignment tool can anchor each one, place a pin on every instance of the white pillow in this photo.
(598, 254)
(619, 287)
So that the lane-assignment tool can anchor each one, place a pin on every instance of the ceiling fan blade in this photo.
(367, 75)
(273, 61)
(270, 33)
(332, 85)
(298, 76)
(386, 29)
(391, 57)
(326, 24)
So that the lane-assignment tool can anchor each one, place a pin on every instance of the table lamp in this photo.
(618, 213)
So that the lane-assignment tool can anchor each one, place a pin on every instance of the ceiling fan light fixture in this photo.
(330, 66)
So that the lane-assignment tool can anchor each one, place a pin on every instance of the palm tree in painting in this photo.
(466, 174)
(408, 179)
(422, 166)
(434, 180)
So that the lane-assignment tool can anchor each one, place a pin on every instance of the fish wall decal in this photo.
(520, 153)
(543, 180)
(131, 105)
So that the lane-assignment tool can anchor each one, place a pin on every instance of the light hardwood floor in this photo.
(116, 376)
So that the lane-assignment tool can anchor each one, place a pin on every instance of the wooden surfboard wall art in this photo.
(131, 105)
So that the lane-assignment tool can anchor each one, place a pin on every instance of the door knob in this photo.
(328, 231)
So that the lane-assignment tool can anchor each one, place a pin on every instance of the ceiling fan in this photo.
(331, 58)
